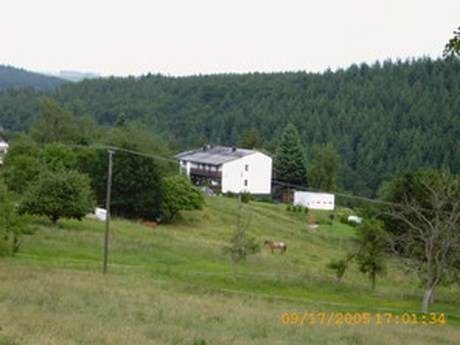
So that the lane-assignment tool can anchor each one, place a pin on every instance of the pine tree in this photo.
(289, 162)
(452, 47)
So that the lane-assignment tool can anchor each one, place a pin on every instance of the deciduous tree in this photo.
(425, 218)
(373, 241)
(60, 194)
(22, 165)
(53, 124)
(241, 244)
(322, 172)
(179, 195)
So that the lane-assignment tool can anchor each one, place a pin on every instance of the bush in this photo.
(230, 195)
(20, 171)
(246, 197)
(4, 246)
(12, 224)
(65, 194)
(323, 221)
(266, 199)
(306, 210)
(58, 157)
(179, 194)
(344, 219)
(289, 208)
(339, 266)
(199, 342)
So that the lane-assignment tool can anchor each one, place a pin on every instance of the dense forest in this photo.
(11, 77)
(381, 119)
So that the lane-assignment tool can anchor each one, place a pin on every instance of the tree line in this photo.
(59, 170)
(381, 119)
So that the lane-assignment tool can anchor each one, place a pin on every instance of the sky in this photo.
(185, 37)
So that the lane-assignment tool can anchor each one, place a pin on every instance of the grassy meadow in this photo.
(174, 285)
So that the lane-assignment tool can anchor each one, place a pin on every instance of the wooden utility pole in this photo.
(107, 215)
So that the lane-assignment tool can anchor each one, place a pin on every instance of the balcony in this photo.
(206, 173)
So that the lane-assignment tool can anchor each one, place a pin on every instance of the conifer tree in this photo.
(289, 162)
(452, 47)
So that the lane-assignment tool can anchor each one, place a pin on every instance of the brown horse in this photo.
(276, 245)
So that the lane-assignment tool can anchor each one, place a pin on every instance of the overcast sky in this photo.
(183, 37)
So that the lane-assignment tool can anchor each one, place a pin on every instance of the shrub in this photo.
(20, 171)
(323, 221)
(179, 194)
(60, 194)
(12, 224)
(246, 197)
(289, 208)
(4, 247)
(199, 342)
(339, 266)
(230, 195)
(266, 199)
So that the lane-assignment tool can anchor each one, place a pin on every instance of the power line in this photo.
(119, 149)
(351, 196)
(345, 195)
(111, 150)
(278, 182)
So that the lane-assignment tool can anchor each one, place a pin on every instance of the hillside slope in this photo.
(174, 285)
(13, 78)
(382, 119)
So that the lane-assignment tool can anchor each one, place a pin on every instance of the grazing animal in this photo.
(276, 245)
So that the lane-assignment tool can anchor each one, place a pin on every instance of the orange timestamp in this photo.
(332, 318)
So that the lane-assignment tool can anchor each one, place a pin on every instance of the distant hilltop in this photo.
(76, 76)
(14, 78)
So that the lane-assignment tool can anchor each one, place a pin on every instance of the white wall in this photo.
(258, 176)
(315, 201)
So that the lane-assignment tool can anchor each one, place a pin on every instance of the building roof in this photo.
(214, 155)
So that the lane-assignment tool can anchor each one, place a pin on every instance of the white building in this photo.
(228, 169)
(315, 201)
(3, 149)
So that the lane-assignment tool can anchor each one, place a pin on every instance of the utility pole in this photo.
(107, 215)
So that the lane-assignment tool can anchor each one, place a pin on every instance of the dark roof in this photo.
(214, 155)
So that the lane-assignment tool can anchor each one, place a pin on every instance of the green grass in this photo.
(173, 285)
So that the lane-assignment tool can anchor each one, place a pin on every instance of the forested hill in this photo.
(382, 118)
(11, 77)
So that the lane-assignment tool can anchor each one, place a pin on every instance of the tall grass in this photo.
(173, 285)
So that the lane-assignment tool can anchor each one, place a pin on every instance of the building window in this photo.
(245, 183)
(246, 167)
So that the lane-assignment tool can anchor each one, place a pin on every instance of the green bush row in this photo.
(297, 208)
